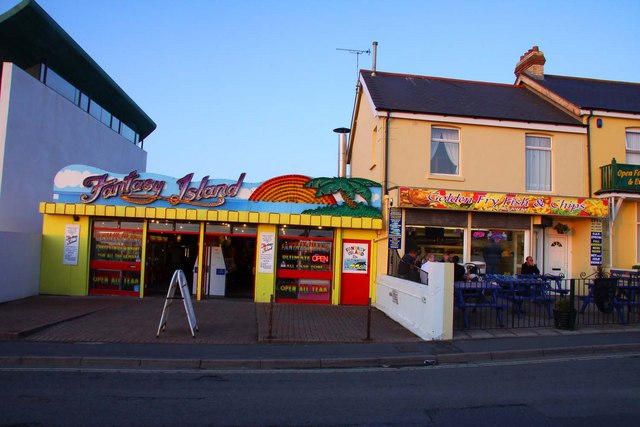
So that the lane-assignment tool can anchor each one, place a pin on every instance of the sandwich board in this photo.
(178, 280)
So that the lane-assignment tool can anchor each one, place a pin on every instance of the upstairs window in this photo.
(445, 151)
(538, 163)
(633, 147)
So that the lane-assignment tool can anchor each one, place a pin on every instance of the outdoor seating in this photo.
(622, 295)
(522, 289)
(470, 296)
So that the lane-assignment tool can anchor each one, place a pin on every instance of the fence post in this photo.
(270, 336)
(369, 321)
(572, 299)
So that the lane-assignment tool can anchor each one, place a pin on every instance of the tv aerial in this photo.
(357, 53)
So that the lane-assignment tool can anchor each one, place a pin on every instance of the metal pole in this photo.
(270, 336)
(572, 310)
(369, 321)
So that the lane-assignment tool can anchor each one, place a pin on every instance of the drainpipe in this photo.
(589, 117)
(386, 154)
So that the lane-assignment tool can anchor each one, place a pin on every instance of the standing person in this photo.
(459, 272)
(407, 267)
(424, 274)
(411, 240)
(492, 254)
(529, 267)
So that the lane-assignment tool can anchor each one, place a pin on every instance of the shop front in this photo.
(556, 231)
(284, 238)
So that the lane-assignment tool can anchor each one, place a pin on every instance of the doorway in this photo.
(167, 253)
(229, 266)
(557, 255)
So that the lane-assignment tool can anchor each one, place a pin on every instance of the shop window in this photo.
(510, 254)
(633, 147)
(116, 249)
(445, 151)
(538, 163)
(305, 265)
(438, 241)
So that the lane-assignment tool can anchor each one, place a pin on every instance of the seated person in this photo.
(529, 267)
(424, 274)
(459, 273)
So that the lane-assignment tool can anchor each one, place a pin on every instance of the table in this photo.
(469, 296)
(625, 294)
(521, 289)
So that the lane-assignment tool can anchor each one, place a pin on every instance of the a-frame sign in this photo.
(178, 280)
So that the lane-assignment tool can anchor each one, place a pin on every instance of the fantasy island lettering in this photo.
(102, 186)
(145, 191)
(189, 194)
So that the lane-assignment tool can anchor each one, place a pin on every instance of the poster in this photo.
(71, 244)
(355, 257)
(596, 242)
(266, 252)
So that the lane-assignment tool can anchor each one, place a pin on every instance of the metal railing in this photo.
(545, 301)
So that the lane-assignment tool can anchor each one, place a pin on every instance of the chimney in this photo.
(342, 151)
(531, 64)
(375, 55)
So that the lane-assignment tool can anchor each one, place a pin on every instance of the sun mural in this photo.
(289, 189)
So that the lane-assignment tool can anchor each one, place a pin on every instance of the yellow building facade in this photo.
(488, 188)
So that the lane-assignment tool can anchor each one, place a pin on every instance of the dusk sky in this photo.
(258, 86)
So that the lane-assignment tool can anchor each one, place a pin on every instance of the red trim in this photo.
(304, 274)
(323, 239)
(116, 265)
(303, 301)
(113, 292)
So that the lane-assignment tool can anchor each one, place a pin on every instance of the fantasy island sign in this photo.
(502, 202)
(355, 197)
(146, 191)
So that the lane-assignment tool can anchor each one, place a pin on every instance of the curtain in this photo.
(445, 141)
(538, 163)
(633, 148)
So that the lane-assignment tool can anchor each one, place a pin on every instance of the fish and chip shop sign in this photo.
(293, 194)
(478, 201)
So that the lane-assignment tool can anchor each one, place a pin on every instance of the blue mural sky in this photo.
(258, 86)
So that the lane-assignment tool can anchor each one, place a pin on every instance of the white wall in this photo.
(427, 311)
(40, 133)
(19, 253)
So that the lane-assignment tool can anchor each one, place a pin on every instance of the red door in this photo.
(356, 272)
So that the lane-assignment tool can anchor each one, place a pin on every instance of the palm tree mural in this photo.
(348, 188)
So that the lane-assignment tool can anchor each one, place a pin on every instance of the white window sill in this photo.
(444, 177)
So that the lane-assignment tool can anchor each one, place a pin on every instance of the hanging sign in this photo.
(395, 228)
(71, 244)
(596, 242)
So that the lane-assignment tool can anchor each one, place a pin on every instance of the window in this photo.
(538, 163)
(633, 147)
(445, 151)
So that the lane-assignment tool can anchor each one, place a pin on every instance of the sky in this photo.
(259, 86)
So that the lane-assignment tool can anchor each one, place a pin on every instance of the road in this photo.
(584, 391)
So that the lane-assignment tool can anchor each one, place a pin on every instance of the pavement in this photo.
(123, 333)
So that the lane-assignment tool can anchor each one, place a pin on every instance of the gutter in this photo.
(386, 154)
(589, 117)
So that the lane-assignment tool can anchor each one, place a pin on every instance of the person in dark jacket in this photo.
(407, 268)
(459, 272)
(529, 267)
(492, 254)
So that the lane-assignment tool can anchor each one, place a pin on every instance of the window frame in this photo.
(548, 150)
(629, 150)
(444, 141)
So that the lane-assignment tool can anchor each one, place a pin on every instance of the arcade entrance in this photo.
(229, 260)
(171, 245)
